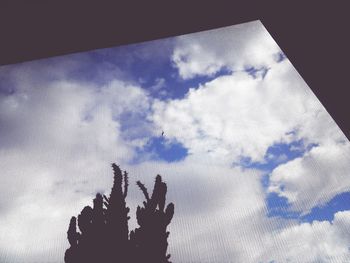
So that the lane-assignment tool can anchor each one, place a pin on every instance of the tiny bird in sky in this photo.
(162, 133)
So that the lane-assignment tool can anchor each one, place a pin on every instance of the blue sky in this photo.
(148, 70)
(245, 140)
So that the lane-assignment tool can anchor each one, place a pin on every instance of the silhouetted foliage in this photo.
(104, 234)
(150, 239)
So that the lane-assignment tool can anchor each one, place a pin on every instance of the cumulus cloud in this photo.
(237, 115)
(235, 48)
(315, 178)
(58, 139)
(237, 225)
(319, 241)
(213, 220)
(59, 133)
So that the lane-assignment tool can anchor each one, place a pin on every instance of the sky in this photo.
(256, 167)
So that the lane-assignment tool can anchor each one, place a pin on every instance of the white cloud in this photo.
(235, 48)
(58, 139)
(211, 207)
(315, 178)
(56, 132)
(226, 218)
(319, 241)
(159, 84)
(238, 115)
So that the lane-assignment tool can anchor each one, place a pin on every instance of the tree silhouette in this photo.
(116, 215)
(103, 230)
(150, 239)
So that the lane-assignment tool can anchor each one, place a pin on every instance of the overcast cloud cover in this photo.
(227, 96)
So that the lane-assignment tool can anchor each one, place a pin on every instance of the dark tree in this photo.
(116, 215)
(72, 253)
(150, 239)
(104, 233)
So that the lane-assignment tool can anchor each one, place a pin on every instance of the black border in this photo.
(311, 33)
